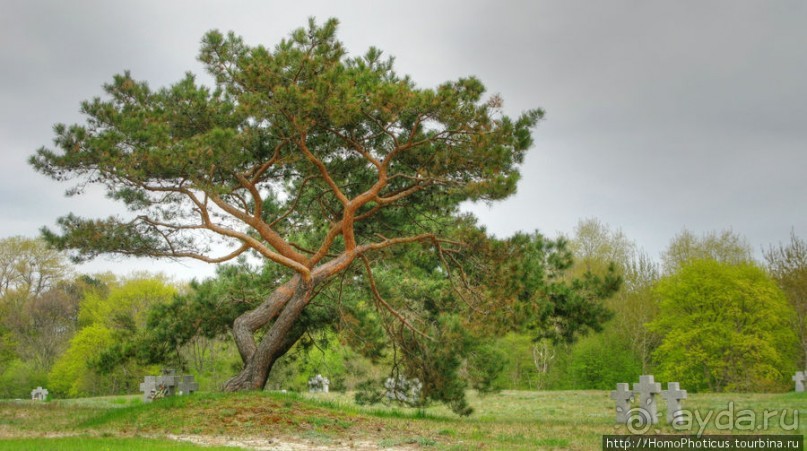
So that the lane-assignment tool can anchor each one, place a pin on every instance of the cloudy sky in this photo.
(660, 115)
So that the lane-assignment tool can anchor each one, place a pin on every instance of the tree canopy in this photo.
(295, 149)
(724, 327)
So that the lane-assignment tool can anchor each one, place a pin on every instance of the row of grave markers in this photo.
(168, 384)
(645, 391)
(645, 395)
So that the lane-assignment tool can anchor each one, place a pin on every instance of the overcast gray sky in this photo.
(660, 114)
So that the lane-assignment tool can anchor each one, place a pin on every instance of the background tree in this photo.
(7, 347)
(51, 320)
(596, 246)
(788, 266)
(185, 331)
(38, 306)
(635, 306)
(724, 246)
(724, 327)
(600, 248)
(598, 362)
(310, 159)
(28, 268)
(532, 287)
(108, 314)
(71, 376)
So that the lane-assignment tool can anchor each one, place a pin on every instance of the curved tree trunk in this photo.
(284, 306)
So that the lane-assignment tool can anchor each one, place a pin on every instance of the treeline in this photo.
(56, 325)
(55, 322)
(708, 315)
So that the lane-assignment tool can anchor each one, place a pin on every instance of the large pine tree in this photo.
(313, 160)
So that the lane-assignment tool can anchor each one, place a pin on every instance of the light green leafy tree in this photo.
(599, 362)
(126, 302)
(108, 315)
(724, 327)
(70, 375)
(19, 378)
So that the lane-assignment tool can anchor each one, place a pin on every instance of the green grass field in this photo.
(569, 420)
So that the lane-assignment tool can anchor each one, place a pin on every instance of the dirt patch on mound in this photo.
(279, 443)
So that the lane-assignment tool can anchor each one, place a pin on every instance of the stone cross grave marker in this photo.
(149, 388)
(799, 378)
(646, 391)
(39, 394)
(167, 384)
(318, 384)
(622, 396)
(673, 394)
(186, 385)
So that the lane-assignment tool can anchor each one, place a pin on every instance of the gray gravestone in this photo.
(673, 394)
(622, 396)
(646, 391)
(168, 384)
(149, 388)
(39, 394)
(187, 385)
(799, 379)
(318, 384)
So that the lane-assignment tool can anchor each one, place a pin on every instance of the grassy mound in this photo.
(573, 420)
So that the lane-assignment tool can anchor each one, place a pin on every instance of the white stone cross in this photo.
(673, 394)
(39, 394)
(646, 391)
(622, 396)
(799, 378)
(318, 384)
